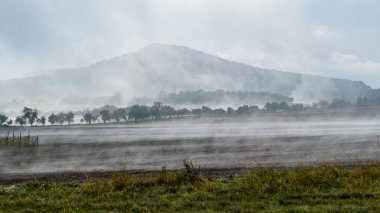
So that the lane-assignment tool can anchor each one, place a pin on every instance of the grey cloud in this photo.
(299, 36)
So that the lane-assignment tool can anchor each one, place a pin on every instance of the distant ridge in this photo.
(170, 68)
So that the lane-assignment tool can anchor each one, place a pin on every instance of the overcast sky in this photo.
(322, 37)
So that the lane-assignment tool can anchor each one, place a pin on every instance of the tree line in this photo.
(219, 96)
(29, 116)
(159, 111)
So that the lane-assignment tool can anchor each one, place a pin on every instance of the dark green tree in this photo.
(219, 112)
(339, 103)
(182, 112)
(69, 117)
(253, 109)
(243, 109)
(284, 107)
(52, 119)
(42, 120)
(30, 115)
(105, 115)
(323, 104)
(119, 114)
(61, 118)
(297, 107)
(206, 110)
(3, 119)
(272, 107)
(197, 112)
(156, 110)
(20, 120)
(139, 112)
(167, 111)
(89, 117)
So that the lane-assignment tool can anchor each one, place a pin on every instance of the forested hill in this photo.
(171, 69)
(217, 97)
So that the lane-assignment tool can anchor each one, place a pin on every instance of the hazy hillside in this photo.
(169, 68)
(221, 97)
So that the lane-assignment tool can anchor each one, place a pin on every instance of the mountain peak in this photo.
(172, 68)
(163, 48)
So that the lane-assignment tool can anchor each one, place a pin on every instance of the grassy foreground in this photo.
(325, 189)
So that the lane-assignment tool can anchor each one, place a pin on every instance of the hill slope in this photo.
(170, 68)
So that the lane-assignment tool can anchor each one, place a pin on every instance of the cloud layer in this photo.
(329, 38)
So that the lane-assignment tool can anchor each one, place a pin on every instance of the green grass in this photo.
(325, 189)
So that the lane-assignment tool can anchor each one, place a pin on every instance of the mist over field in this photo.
(189, 106)
(210, 142)
(100, 85)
